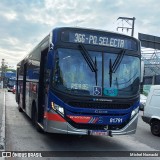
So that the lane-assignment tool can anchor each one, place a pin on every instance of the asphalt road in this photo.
(22, 136)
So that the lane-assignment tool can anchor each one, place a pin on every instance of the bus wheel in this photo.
(35, 118)
(155, 128)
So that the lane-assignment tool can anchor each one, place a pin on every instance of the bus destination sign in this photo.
(99, 39)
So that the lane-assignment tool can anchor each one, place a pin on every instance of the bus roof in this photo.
(93, 30)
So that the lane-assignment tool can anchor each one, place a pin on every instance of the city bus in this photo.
(11, 83)
(81, 81)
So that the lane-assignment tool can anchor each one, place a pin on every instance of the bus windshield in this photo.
(73, 75)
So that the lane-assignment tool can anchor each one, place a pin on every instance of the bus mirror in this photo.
(50, 60)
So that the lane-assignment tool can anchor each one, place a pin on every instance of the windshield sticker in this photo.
(97, 91)
(79, 86)
(110, 92)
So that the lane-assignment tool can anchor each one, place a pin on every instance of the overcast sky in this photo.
(24, 23)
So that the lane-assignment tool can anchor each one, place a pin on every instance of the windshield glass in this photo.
(73, 75)
(125, 80)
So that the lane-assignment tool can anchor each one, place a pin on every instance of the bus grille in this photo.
(99, 105)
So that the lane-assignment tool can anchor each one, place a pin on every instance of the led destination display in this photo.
(105, 39)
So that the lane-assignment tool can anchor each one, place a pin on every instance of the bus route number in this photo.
(80, 38)
(98, 40)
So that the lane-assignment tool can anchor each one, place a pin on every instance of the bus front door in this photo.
(42, 95)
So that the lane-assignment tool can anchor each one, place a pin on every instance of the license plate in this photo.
(99, 133)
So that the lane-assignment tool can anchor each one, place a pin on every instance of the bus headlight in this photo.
(134, 112)
(60, 109)
(57, 108)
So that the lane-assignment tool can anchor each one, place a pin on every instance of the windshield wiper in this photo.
(92, 65)
(113, 68)
(96, 70)
(110, 72)
(118, 60)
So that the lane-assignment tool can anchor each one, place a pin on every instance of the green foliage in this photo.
(8, 69)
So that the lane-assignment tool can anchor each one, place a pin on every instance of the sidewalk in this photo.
(2, 119)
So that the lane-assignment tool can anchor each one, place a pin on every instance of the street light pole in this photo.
(133, 20)
(127, 20)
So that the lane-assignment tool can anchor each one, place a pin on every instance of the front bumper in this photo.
(130, 128)
(66, 128)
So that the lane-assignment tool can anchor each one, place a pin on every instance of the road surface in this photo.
(22, 136)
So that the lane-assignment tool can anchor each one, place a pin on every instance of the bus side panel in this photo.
(33, 72)
(27, 98)
(20, 93)
(24, 86)
(20, 72)
(17, 86)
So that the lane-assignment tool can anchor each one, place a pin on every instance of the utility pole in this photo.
(3, 70)
(126, 19)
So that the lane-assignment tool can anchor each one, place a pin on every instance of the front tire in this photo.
(19, 108)
(35, 120)
(155, 128)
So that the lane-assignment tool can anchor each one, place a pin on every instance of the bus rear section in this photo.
(84, 82)
(11, 84)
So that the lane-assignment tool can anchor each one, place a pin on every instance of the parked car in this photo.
(151, 114)
(143, 99)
